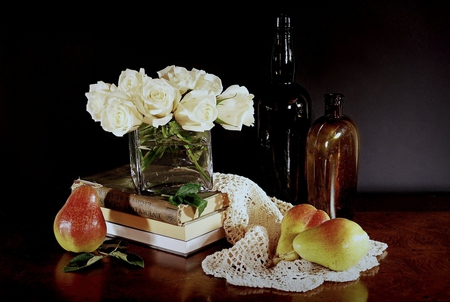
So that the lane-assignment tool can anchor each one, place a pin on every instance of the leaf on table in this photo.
(111, 245)
(129, 257)
(82, 261)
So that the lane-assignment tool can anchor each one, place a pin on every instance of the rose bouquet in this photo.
(168, 111)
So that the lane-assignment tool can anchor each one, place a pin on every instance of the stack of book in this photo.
(153, 220)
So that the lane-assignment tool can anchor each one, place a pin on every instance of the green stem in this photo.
(192, 157)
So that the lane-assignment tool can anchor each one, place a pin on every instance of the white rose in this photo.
(235, 108)
(159, 99)
(209, 81)
(96, 99)
(130, 81)
(197, 111)
(120, 115)
(179, 76)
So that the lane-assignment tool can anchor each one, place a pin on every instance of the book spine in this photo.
(114, 199)
(155, 208)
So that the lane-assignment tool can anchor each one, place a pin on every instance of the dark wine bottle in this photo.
(283, 120)
(332, 160)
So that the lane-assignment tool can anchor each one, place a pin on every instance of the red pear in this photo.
(79, 226)
(298, 219)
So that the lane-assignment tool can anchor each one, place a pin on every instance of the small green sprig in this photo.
(112, 247)
(188, 194)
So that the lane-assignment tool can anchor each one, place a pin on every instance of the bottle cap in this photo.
(334, 98)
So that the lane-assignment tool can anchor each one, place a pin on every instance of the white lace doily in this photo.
(252, 225)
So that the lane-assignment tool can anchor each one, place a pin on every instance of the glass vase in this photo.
(165, 158)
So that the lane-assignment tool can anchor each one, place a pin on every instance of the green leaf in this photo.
(81, 261)
(118, 249)
(196, 201)
(188, 194)
(129, 257)
(175, 200)
(111, 245)
(189, 188)
(174, 127)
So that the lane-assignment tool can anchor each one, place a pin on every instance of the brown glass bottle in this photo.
(283, 120)
(332, 160)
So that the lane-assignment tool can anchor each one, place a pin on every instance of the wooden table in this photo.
(416, 266)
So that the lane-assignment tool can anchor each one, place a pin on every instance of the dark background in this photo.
(391, 60)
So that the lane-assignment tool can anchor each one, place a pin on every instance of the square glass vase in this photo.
(165, 158)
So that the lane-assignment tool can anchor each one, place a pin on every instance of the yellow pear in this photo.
(79, 226)
(299, 218)
(337, 244)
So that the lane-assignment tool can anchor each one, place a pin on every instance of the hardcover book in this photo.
(164, 243)
(181, 240)
(186, 232)
(116, 191)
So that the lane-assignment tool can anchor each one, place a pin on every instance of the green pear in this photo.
(79, 226)
(299, 218)
(337, 244)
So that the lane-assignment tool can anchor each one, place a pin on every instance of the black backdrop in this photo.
(389, 58)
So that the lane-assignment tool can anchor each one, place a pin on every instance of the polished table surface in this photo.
(415, 267)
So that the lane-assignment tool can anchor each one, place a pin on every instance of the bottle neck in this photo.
(334, 111)
(333, 105)
(283, 61)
